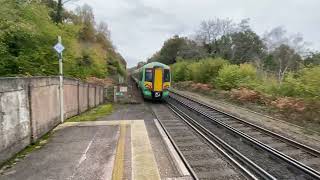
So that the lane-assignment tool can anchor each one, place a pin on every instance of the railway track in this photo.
(203, 158)
(271, 155)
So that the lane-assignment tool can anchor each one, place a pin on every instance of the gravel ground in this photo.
(273, 165)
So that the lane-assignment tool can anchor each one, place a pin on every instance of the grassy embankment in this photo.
(296, 99)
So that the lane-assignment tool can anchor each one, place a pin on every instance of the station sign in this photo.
(123, 89)
(119, 93)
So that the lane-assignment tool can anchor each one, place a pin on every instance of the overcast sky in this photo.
(139, 27)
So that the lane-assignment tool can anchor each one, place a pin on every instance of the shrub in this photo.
(208, 69)
(234, 76)
(304, 84)
(179, 71)
(203, 71)
(310, 79)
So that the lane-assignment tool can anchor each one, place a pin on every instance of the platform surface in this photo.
(90, 150)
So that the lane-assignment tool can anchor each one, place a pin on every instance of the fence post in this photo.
(29, 89)
(78, 100)
(95, 95)
(88, 95)
(115, 93)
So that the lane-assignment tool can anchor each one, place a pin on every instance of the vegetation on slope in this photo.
(29, 29)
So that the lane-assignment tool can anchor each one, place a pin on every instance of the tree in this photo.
(155, 57)
(246, 46)
(190, 50)
(86, 19)
(169, 51)
(59, 10)
(287, 59)
(279, 36)
(241, 47)
(140, 64)
(211, 30)
(103, 35)
(312, 59)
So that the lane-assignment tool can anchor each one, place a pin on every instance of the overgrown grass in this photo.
(93, 114)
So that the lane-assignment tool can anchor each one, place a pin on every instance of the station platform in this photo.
(106, 149)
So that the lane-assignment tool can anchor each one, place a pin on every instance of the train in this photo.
(153, 80)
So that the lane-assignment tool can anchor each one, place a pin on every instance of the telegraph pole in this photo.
(59, 48)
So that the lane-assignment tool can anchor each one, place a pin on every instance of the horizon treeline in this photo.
(276, 51)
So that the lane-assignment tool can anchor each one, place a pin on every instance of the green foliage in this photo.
(203, 71)
(206, 70)
(234, 76)
(180, 71)
(305, 84)
(312, 59)
(28, 33)
(169, 51)
(247, 46)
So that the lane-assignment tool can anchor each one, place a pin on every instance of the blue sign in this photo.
(59, 48)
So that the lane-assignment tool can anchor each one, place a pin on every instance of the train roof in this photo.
(153, 64)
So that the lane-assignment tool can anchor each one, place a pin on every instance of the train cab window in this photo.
(166, 75)
(140, 75)
(149, 75)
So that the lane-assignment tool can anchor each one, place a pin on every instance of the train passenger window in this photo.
(166, 75)
(149, 75)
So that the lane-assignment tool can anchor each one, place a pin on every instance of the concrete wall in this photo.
(15, 129)
(83, 97)
(91, 96)
(29, 108)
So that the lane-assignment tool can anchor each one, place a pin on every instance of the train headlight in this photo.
(148, 86)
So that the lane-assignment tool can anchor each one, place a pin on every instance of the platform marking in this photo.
(118, 170)
(143, 162)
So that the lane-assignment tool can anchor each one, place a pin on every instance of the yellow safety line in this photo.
(144, 165)
(118, 170)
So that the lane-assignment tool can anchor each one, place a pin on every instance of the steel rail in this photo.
(232, 154)
(192, 173)
(296, 144)
(308, 170)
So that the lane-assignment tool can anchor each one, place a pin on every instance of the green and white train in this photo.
(153, 80)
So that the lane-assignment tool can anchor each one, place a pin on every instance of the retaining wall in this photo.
(29, 108)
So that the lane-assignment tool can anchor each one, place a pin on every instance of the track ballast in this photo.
(277, 155)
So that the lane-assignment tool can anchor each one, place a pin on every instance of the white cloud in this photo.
(139, 27)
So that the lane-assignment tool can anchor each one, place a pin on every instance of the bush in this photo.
(208, 69)
(180, 71)
(203, 71)
(234, 76)
(310, 79)
(304, 84)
